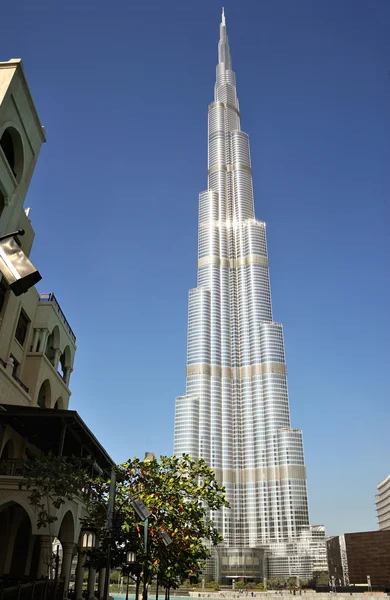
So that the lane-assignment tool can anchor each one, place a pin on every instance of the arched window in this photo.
(12, 146)
(44, 396)
(59, 405)
(8, 450)
(53, 342)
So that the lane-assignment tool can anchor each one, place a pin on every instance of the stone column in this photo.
(67, 373)
(67, 555)
(102, 577)
(45, 552)
(42, 345)
(79, 576)
(57, 355)
(36, 340)
(91, 583)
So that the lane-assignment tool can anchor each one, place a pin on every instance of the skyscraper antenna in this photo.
(223, 16)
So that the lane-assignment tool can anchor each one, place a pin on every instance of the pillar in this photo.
(45, 552)
(91, 583)
(67, 555)
(102, 577)
(36, 340)
(79, 576)
(42, 345)
(57, 355)
(67, 373)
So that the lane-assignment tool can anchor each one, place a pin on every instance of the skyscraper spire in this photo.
(235, 413)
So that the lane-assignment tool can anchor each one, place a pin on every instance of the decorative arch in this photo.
(15, 537)
(67, 528)
(12, 146)
(59, 405)
(65, 361)
(53, 342)
(8, 450)
(44, 395)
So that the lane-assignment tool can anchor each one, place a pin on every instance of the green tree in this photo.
(179, 492)
(319, 578)
(275, 583)
(291, 583)
(213, 585)
(260, 586)
(52, 480)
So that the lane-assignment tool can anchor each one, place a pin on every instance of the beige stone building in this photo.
(37, 344)
(37, 351)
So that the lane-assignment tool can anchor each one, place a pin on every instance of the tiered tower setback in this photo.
(235, 413)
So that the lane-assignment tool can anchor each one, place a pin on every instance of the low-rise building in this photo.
(355, 557)
(382, 502)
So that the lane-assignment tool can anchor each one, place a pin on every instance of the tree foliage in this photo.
(276, 583)
(180, 493)
(52, 480)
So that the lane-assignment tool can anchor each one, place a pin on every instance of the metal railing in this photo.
(50, 297)
(13, 467)
(34, 590)
(20, 382)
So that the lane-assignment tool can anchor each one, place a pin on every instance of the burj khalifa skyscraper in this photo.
(235, 413)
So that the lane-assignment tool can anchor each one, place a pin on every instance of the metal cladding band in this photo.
(235, 413)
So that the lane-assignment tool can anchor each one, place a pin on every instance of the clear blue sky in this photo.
(122, 89)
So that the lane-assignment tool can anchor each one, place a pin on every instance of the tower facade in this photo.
(235, 413)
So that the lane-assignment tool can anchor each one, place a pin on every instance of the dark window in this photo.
(12, 147)
(8, 148)
(3, 292)
(21, 328)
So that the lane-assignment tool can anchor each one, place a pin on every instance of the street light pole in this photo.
(110, 512)
(146, 531)
(130, 560)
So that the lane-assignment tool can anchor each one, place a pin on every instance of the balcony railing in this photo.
(50, 297)
(34, 590)
(20, 382)
(13, 467)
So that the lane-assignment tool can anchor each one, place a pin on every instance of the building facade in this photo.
(37, 344)
(354, 557)
(37, 350)
(235, 413)
(382, 502)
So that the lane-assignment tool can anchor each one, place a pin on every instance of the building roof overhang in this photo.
(57, 431)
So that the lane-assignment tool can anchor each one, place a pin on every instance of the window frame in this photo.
(28, 321)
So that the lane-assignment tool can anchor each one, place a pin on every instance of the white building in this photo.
(382, 501)
(235, 413)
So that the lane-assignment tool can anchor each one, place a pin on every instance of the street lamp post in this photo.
(130, 560)
(88, 541)
(17, 269)
(167, 541)
(143, 513)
